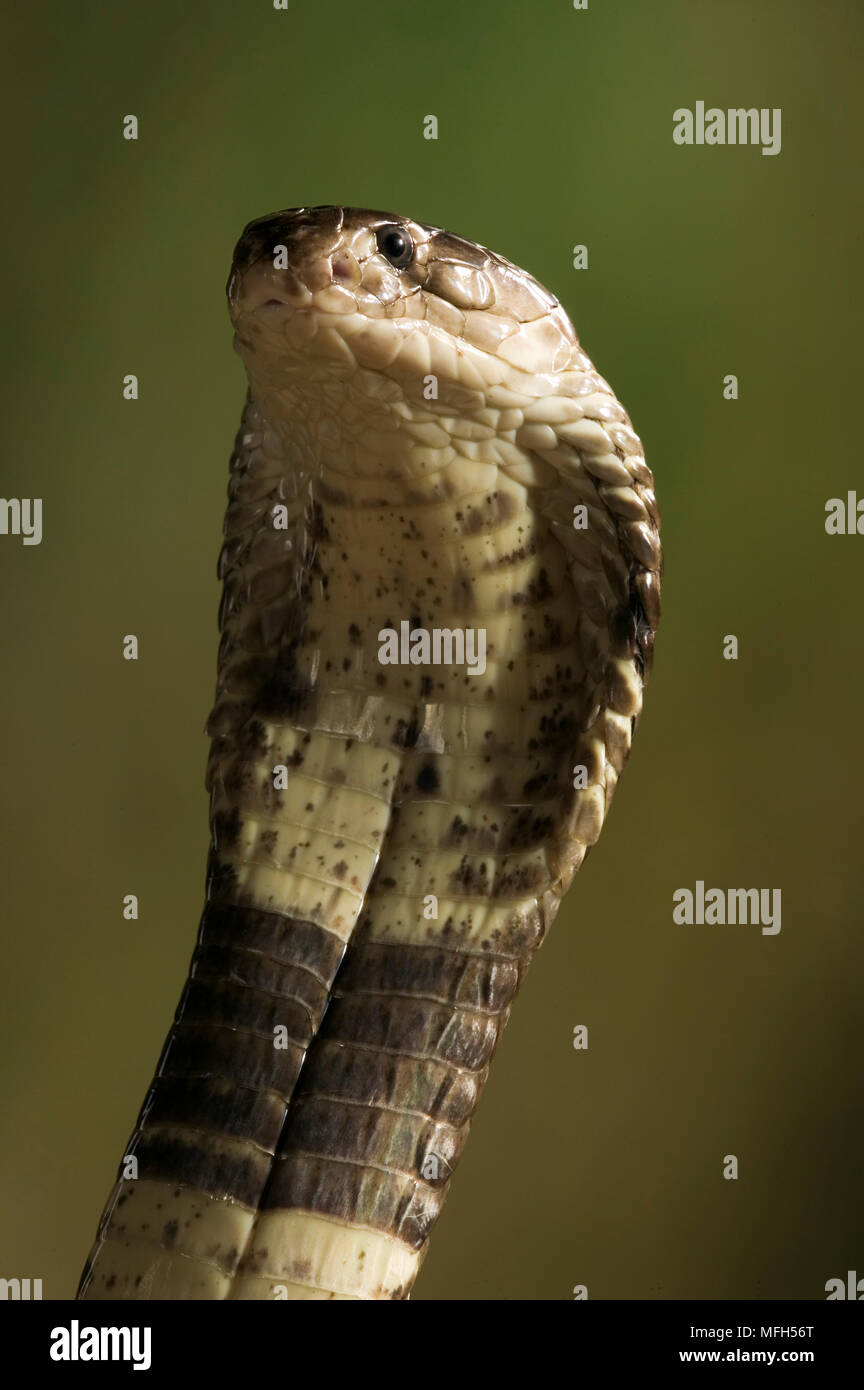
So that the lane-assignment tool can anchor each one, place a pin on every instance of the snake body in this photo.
(425, 443)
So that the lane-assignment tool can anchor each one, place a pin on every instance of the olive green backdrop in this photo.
(601, 1167)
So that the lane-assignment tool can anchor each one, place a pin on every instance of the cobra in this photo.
(423, 442)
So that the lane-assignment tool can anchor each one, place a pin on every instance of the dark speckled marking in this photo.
(493, 511)
(226, 828)
(525, 828)
(536, 784)
(282, 693)
(456, 833)
(537, 591)
(406, 733)
(253, 738)
(428, 779)
(267, 841)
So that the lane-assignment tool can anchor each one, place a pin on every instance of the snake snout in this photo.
(265, 288)
(294, 244)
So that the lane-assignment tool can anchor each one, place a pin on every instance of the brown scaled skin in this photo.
(424, 442)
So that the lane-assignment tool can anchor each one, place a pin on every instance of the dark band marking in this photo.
(401, 1083)
(485, 983)
(194, 1160)
(385, 1201)
(215, 1103)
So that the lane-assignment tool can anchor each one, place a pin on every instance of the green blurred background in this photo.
(601, 1167)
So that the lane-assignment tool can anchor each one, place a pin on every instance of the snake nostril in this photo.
(345, 269)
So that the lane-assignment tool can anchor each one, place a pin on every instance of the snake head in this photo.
(318, 293)
(363, 332)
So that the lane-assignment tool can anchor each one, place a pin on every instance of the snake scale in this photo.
(424, 448)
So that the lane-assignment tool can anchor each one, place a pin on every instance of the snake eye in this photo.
(396, 245)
